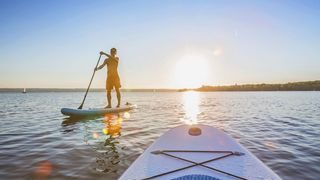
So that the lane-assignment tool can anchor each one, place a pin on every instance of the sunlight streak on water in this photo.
(191, 103)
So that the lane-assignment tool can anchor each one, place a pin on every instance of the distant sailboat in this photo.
(24, 90)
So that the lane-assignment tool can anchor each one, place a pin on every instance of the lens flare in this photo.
(105, 131)
(44, 169)
(126, 115)
(95, 135)
(270, 145)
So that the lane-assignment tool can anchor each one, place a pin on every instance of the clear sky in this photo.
(161, 44)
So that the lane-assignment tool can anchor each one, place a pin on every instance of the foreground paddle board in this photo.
(95, 111)
(233, 158)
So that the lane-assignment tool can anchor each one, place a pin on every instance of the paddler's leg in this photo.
(109, 99)
(108, 88)
(118, 96)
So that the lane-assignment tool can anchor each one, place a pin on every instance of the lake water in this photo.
(37, 141)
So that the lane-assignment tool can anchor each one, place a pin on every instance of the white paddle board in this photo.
(202, 152)
(95, 111)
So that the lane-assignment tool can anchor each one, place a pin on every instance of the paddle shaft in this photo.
(94, 72)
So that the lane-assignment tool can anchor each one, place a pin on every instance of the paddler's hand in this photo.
(96, 69)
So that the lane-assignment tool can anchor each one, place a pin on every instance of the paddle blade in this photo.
(80, 107)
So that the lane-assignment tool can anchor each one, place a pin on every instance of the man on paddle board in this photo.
(113, 79)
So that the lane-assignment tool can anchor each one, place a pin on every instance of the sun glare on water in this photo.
(191, 71)
(191, 102)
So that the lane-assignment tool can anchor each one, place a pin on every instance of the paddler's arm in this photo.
(103, 53)
(101, 66)
(109, 56)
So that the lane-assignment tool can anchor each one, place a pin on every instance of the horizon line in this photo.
(163, 88)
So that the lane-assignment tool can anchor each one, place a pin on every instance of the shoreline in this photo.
(290, 86)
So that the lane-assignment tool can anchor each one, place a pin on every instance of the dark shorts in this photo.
(113, 82)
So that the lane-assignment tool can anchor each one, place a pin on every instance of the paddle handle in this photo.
(94, 72)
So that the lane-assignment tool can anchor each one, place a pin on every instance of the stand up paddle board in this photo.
(197, 152)
(95, 111)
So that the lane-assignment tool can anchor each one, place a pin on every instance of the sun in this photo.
(191, 71)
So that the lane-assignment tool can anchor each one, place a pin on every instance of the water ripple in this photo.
(280, 128)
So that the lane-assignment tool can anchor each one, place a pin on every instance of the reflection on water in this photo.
(112, 125)
(103, 139)
(191, 104)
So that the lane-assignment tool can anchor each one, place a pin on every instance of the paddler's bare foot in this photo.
(109, 106)
(118, 105)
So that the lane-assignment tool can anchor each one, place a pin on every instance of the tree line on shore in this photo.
(291, 86)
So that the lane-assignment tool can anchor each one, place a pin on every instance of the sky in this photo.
(161, 44)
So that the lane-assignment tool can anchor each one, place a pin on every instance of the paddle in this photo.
(94, 71)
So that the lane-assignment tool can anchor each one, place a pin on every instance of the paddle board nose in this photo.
(197, 151)
(194, 131)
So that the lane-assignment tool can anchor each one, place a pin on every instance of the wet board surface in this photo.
(246, 165)
(95, 111)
